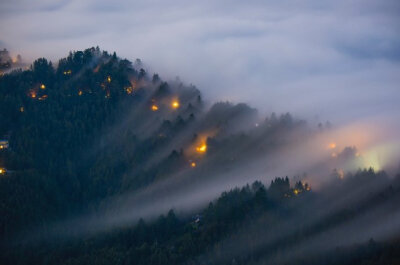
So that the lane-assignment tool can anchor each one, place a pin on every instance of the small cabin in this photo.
(4, 144)
(197, 218)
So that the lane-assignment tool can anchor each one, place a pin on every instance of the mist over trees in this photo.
(87, 134)
(7, 62)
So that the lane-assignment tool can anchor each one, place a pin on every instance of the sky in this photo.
(328, 60)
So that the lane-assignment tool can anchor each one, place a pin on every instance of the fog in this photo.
(273, 148)
(338, 60)
(333, 61)
(375, 218)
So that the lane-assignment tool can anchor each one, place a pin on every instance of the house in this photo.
(4, 144)
(197, 218)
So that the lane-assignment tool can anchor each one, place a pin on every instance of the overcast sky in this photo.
(338, 59)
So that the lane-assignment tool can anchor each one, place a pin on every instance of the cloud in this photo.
(246, 50)
(336, 60)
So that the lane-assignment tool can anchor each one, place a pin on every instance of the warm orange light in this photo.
(80, 92)
(109, 79)
(154, 107)
(129, 90)
(42, 86)
(202, 148)
(33, 94)
(2, 171)
(296, 191)
(198, 146)
(21, 109)
(175, 104)
(193, 164)
(332, 145)
(43, 97)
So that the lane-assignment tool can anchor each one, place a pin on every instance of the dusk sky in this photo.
(312, 58)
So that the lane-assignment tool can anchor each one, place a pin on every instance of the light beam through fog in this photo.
(302, 151)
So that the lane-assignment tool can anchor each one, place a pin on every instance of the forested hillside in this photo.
(96, 135)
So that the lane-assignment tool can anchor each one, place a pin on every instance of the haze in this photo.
(266, 131)
(335, 60)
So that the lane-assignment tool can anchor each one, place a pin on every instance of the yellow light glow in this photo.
(193, 164)
(129, 90)
(109, 79)
(80, 92)
(21, 109)
(2, 171)
(33, 94)
(154, 107)
(374, 158)
(42, 86)
(296, 191)
(175, 104)
(199, 142)
(202, 148)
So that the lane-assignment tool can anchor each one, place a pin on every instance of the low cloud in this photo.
(308, 57)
